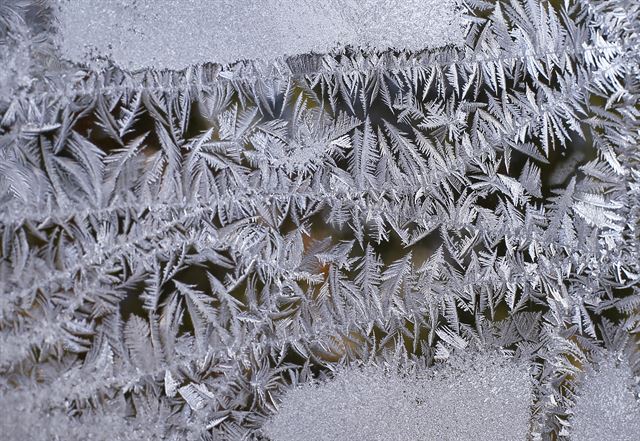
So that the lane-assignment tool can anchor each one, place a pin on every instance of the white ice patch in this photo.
(606, 408)
(481, 397)
(177, 33)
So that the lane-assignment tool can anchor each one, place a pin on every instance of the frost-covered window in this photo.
(272, 220)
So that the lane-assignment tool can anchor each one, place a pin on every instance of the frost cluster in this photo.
(177, 34)
(183, 254)
(476, 397)
(607, 407)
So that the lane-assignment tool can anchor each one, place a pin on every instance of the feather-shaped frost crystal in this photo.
(185, 253)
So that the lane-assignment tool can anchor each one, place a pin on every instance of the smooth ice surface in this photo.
(481, 397)
(175, 34)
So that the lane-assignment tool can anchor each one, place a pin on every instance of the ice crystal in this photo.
(180, 250)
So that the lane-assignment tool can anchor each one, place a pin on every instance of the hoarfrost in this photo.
(180, 248)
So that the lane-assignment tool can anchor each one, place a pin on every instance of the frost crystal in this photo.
(179, 249)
